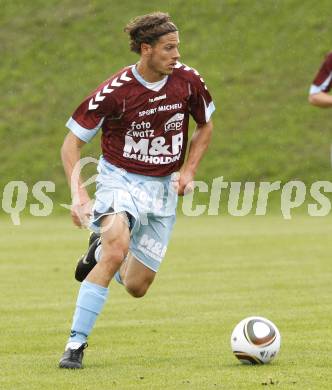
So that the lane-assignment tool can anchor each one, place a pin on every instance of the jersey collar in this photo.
(156, 86)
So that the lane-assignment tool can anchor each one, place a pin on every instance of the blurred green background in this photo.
(258, 59)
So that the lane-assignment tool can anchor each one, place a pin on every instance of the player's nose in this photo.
(177, 54)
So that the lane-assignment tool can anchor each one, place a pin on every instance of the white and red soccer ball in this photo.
(255, 340)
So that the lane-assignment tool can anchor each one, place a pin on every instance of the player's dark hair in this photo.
(148, 29)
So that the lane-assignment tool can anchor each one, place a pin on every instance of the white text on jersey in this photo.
(166, 107)
(155, 99)
(153, 151)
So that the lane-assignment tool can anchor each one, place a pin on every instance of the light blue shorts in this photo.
(149, 203)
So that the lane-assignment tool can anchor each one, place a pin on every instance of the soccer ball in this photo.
(255, 340)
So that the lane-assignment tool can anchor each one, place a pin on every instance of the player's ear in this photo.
(145, 48)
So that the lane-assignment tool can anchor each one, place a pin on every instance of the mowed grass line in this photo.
(217, 271)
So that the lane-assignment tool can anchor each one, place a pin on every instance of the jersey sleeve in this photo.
(89, 116)
(323, 80)
(201, 103)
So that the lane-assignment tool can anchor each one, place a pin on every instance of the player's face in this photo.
(164, 54)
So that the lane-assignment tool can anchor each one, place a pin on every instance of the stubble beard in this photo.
(157, 70)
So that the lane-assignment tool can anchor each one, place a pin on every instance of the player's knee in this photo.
(114, 253)
(135, 290)
(115, 258)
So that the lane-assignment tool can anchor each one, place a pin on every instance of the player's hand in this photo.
(81, 210)
(183, 182)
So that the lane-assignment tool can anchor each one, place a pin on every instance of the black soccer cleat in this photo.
(72, 358)
(93, 237)
(87, 261)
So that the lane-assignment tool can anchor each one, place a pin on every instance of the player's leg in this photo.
(115, 239)
(94, 290)
(136, 277)
(147, 249)
(88, 261)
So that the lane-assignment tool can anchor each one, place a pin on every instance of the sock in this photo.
(90, 301)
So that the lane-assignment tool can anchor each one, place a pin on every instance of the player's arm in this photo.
(320, 99)
(201, 108)
(321, 85)
(198, 145)
(70, 155)
(84, 124)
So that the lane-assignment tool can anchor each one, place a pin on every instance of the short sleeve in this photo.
(89, 116)
(323, 80)
(201, 103)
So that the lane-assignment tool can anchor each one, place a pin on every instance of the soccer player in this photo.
(318, 95)
(143, 111)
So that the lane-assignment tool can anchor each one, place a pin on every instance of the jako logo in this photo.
(174, 123)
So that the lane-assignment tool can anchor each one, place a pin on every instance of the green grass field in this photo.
(217, 271)
(258, 59)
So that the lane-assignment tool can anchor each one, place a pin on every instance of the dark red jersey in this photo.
(323, 79)
(144, 131)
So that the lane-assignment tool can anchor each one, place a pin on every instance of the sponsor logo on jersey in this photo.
(175, 122)
(142, 129)
(150, 111)
(155, 99)
(152, 247)
(149, 196)
(140, 126)
(170, 107)
(162, 108)
(153, 151)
